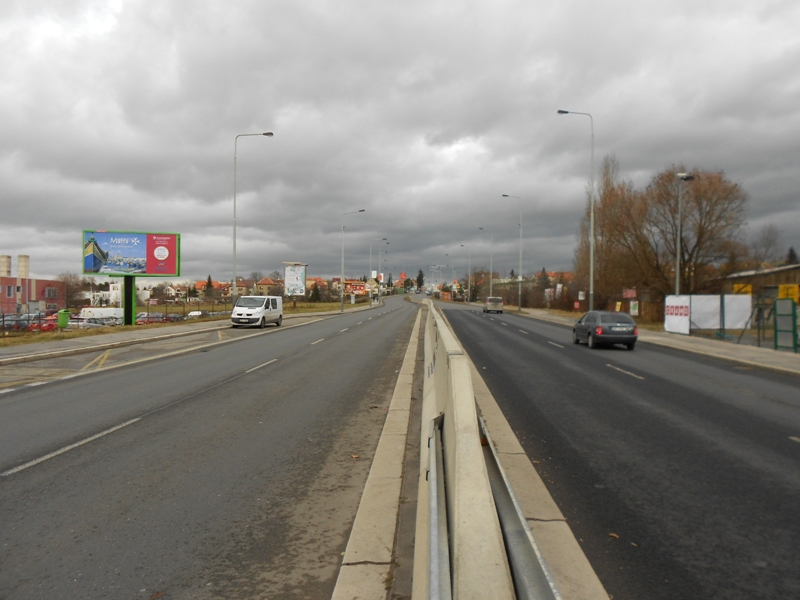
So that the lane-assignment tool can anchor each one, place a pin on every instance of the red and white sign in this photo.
(677, 312)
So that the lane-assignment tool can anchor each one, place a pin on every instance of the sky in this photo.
(123, 115)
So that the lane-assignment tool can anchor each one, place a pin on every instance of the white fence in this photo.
(684, 313)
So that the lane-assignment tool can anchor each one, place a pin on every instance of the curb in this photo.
(368, 559)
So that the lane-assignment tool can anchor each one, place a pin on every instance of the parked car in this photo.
(605, 328)
(14, 323)
(197, 314)
(493, 304)
(257, 311)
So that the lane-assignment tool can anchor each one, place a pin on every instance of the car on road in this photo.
(257, 311)
(605, 328)
(493, 304)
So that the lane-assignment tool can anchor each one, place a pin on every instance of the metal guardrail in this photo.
(475, 541)
(439, 585)
(532, 577)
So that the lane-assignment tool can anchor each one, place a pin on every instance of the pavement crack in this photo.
(366, 562)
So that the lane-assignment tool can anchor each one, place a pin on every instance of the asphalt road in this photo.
(236, 473)
(679, 475)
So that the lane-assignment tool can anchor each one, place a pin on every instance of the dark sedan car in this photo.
(605, 328)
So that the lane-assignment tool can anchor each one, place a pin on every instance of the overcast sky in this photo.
(121, 115)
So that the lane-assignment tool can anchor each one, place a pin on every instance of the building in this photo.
(24, 295)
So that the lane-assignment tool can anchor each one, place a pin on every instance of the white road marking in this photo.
(318, 341)
(35, 383)
(554, 344)
(359, 323)
(67, 448)
(503, 324)
(523, 331)
(7, 390)
(624, 371)
(794, 438)
(343, 330)
(269, 362)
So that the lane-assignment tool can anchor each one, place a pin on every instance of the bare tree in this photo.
(764, 247)
(636, 232)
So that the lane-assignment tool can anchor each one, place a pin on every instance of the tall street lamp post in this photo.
(341, 290)
(491, 257)
(681, 178)
(519, 275)
(469, 274)
(235, 141)
(379, 262)
(591, 212)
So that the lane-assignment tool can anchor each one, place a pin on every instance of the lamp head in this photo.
(563, 112)
(267, 133)
(684, 176)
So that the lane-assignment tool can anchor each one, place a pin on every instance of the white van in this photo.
(251, 311)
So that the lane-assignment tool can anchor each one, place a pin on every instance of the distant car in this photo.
(90, 323)
(605, 328)
(493, 304)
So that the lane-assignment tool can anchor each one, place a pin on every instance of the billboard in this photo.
(295, 279)
(137, 253)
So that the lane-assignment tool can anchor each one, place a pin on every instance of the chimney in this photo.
(5, 266)
(23, 266)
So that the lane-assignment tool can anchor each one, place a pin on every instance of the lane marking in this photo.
(269, 362)
(35, 383)
(318, 341)
(554, 344)
(41, 459)
(7, 390)
(100, 359)
(624, 371)
(359, 323)
(343, 330)
(523, 331)
(503, 324)
(794, 438)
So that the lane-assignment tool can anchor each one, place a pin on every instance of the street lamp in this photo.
(591, 212)
(519, 275)
(681, 178)
(491, 257)
(469, 274)
(235, 141)
(370, 253)
(341, 291)
(379, 271)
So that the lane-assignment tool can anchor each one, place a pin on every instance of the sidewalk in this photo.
(764, 358)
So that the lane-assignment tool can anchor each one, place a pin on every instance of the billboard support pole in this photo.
(129, 300)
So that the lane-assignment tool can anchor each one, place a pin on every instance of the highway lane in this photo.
(678, 474)
(239, 479)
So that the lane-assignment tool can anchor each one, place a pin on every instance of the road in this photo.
(231, 470)
(679, 475)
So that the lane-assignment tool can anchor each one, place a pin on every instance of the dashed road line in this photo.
(624, 371)
(67, 448)
(269, 362)
(318, 341)
(523, 331)
(503, 324)
(554, 344)
(794, 438)
(343, 330)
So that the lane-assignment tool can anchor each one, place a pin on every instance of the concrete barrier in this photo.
(479, 566)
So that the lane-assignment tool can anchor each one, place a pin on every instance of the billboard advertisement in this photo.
(131, 253)
(295, 279)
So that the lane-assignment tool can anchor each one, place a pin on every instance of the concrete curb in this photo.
(367, 565)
